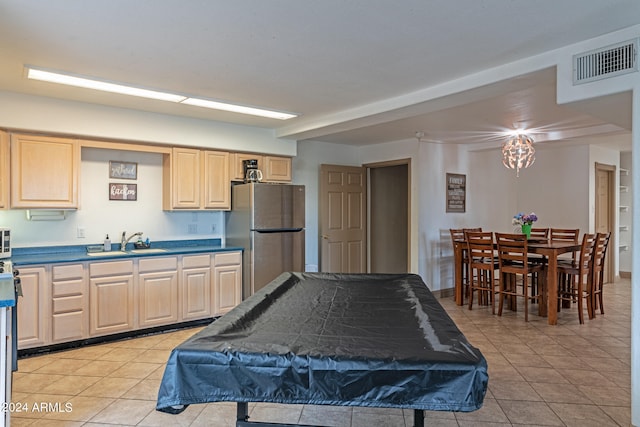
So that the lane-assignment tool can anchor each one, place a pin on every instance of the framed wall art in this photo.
(123, 170)
(456, 192)
(121, 191)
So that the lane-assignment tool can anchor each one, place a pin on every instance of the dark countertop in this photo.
(78, 253)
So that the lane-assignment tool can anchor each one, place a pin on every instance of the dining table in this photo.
(548, 248)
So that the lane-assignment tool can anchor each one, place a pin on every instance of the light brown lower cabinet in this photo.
(111, 297)
(157, 291)
(33, 310)
(227, 274)
(196, 287)
(69, 302)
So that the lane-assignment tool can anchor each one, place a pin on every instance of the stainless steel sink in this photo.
(147, 251)
(107, 253)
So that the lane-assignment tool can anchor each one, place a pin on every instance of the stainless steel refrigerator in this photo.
(267, 220)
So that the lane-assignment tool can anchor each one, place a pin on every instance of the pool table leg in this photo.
(418, 418)
(242, 411)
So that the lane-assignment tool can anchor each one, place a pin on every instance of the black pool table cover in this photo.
(379, 340)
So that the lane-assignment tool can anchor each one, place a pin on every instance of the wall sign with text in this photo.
(456, 192)
(119, 191)
(123, 170)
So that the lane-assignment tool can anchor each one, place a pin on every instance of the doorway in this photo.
(388, 218)
(365, 218)
(605, 187)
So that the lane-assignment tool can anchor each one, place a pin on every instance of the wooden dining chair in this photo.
(598, 264)
(571, 235)
(473, 230)
(457, 240)
(540, 233)
(515, 269)
(582, 273)
(564, 235)
(482, 267)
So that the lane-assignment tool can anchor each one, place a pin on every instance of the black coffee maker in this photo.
(251, 171)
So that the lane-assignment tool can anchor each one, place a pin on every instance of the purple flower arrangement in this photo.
(521, 219)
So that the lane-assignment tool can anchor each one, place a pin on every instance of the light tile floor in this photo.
(564, 375)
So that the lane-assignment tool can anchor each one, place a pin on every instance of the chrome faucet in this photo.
(125, 240)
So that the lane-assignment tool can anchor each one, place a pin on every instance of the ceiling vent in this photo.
(610, 61)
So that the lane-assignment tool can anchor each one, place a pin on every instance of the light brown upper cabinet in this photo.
(196, 179)
(4, 170)
(274, 168)
(216, 182)
(181, 179)
(237, 169)
(277, 169)
(44, 172)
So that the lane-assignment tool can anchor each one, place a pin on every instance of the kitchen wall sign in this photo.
(456, 192)
(123, 170)
(119, 191)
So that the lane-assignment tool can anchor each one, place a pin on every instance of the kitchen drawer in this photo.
(66, 272)
(158, 264)
(72, 287)
(111, 268)
(228, 258)
(196, 261)
(66, 304)
(68, 326)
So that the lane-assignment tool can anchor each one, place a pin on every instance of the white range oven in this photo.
(9, 289)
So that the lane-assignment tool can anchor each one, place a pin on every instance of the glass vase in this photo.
(526, 229)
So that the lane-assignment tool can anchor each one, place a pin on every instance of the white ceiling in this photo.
(319, 59)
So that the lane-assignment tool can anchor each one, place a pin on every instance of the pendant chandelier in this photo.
(518, 152)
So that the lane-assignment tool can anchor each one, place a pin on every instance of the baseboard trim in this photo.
(625, 275)
(38, 351)
(444, 293)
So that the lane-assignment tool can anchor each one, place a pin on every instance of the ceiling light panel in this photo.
(216, 105)
(65, 79)
(90, 83)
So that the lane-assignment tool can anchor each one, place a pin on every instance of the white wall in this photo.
(556, 187)
(435, 250)
(492, 191)
(99, 216)
(635, 260)
(37, 113)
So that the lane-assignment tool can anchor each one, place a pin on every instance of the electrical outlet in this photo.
(192, 228)
(81, 233)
